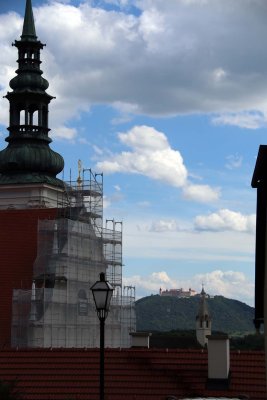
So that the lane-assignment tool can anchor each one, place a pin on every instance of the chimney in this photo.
(140, 339)
(218, 362)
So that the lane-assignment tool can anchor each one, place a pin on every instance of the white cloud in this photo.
(225, 220)
(152, 25)
(248, 120)
(126, 112)
(83, 140)
(63, 132)
(234, 161)
(201, 193)
(151, 156)
(97, 150)
(230, 284)
(205, 246)
(173, 57)
(106, 202)
(150, 284)
(118, 3)
(145, 138)
(164, 226)
(112, 199)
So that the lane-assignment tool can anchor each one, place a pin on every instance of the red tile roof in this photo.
(133, 374)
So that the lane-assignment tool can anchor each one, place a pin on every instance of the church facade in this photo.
(53, 242)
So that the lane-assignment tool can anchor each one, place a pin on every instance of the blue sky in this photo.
(168, 99)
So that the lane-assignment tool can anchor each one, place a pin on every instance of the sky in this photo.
(168, 99)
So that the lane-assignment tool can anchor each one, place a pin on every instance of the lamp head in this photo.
(102, 293)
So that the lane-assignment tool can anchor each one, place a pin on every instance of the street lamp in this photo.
(102, 293)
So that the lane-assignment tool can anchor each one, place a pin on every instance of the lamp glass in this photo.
(102, 293)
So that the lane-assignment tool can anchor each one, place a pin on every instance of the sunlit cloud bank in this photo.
(230, 284)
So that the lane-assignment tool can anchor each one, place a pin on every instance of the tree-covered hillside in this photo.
(160, 313)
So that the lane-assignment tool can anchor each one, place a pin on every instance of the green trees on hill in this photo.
(163, 313)
(172, 321)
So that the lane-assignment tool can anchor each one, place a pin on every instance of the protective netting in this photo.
(72, 250)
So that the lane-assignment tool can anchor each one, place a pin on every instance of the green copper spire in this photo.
(28, 31)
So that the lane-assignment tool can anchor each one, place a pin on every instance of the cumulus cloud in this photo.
(226, 220)
(170, 58)
(230, 284)
(151, 155)
(150, 284)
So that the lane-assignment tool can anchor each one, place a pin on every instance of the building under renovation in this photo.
(54, 242)
(72, 249)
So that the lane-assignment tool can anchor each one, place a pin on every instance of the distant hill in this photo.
(163, 313)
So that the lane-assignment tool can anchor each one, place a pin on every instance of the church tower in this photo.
(28, 166)
(29, 188)
(203, 320)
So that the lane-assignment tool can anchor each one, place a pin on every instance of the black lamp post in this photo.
(102, 293)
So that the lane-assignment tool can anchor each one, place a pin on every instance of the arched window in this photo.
(35, 118)
(22, 117)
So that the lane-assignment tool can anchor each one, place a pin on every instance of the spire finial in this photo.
(203, 290)
(28, 31)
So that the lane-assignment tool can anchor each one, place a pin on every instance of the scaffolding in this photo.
(58, 311)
